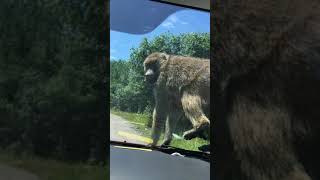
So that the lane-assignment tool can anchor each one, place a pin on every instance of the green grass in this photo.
(140, 121)
(190, 145)
(47, 169)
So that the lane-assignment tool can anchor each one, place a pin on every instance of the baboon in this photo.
(266, 89)
(181, 86)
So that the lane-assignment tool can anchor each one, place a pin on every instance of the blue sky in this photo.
(180, 22)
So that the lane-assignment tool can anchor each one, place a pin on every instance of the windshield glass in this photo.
(179, 31)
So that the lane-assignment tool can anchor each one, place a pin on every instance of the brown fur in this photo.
(266, 89)
(181, 87)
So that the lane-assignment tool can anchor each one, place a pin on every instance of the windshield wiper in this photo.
(205, 156)
(183, 152)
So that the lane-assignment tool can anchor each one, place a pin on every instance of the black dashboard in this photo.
(144, 164)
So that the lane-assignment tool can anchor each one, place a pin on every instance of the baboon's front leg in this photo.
(159, 117)
(171, 123)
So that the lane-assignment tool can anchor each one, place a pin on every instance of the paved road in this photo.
(119, 125)
(11, 173)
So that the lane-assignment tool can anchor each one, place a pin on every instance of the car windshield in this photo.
(153, 27)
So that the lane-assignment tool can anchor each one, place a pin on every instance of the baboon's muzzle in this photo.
(149, 79)
(149, 76)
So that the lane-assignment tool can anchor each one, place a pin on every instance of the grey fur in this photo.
(181, 87)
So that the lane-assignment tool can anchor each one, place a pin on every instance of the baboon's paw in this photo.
(188, 135)
(165, 143)
(151, 145)
(204, 148)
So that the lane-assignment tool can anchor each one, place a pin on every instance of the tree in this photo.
(53, 79)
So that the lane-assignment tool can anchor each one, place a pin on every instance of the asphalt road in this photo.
(11, 173)
(120, 126)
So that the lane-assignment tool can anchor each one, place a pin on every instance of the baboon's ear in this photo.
(164, 56)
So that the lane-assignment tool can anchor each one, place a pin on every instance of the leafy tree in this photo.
(52, 93)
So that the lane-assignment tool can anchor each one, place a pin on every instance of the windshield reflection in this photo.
(140, 16)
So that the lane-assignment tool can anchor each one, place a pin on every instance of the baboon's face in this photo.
(151, 69)
(151, 73)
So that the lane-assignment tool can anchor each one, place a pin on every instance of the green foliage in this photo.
(128, 90)
(51, 100)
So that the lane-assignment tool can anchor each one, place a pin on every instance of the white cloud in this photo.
(173, 18)
(168, 25)
(113, 53)
(172, 21)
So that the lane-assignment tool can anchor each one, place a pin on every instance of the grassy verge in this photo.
(47, 169)
(140, 121)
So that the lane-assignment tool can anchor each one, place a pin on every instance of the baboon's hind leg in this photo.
(192, 108)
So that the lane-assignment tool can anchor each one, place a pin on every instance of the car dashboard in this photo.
(132, 163)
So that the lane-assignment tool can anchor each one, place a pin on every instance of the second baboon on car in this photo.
(181, 85)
